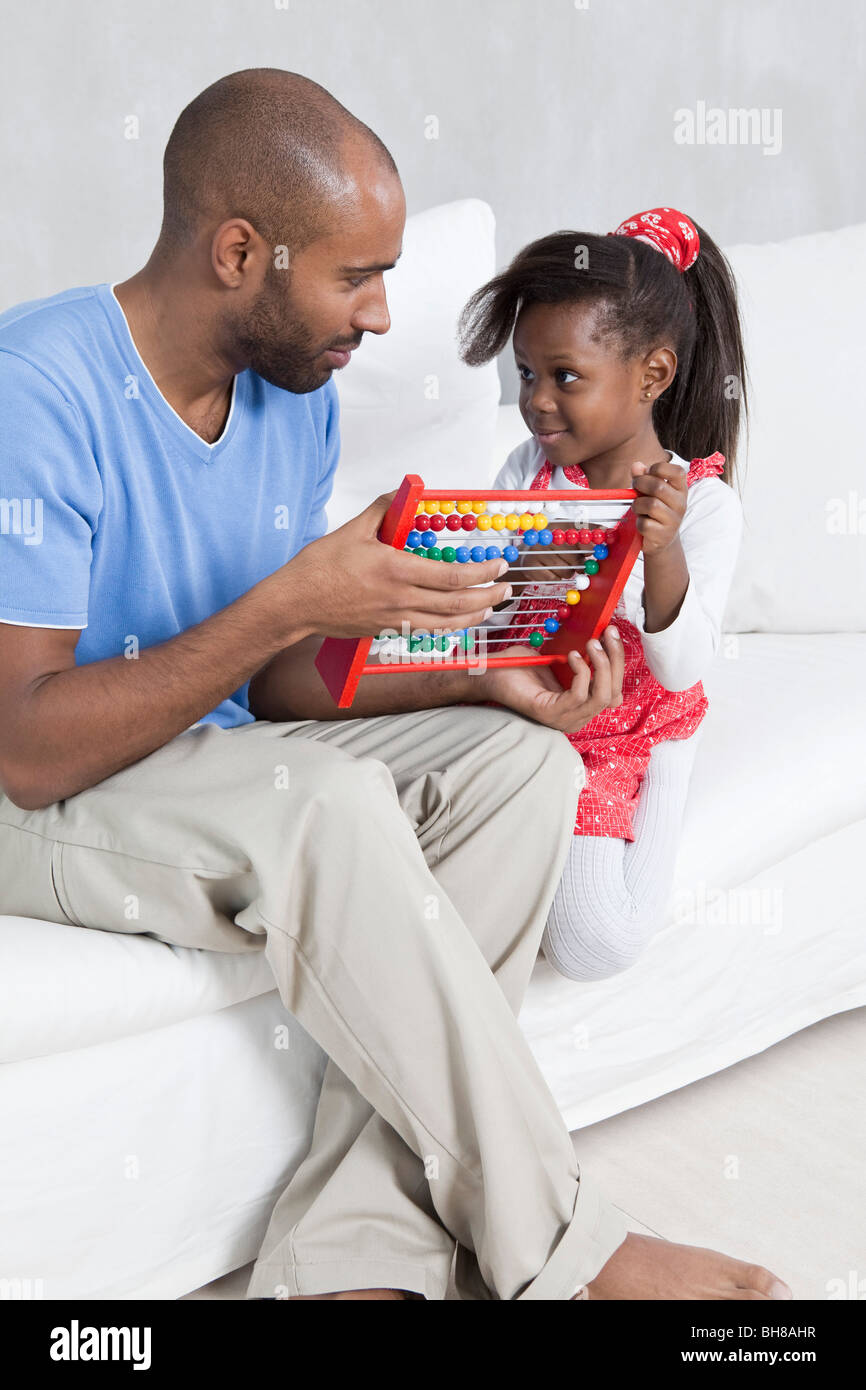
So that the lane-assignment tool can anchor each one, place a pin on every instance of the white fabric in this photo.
(679, 655)
(407, 402)
(803, 562)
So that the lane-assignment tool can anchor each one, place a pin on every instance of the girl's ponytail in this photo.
(706, 404)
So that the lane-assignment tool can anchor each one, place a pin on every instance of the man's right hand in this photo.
(348, 584)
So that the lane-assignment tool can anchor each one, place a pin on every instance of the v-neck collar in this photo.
(148, 388)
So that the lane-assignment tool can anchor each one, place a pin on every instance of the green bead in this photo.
(414, 643)
(442, 644)
(434, 553)
(427, 643)
(536, 639)
(591, 567)
(449, 553)
(420, 550)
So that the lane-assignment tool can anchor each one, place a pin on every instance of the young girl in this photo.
(630, 355)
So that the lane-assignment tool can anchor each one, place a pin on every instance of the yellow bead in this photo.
(539, 521)
(526, 520)
(484, 523)
(464, 507)
(446, 508)
(573, 596)
(479, 507)
(431, 507)
(512, 521)
(498, 523)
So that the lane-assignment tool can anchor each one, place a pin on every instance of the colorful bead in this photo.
(447, 507)
(463, 554)
(478, 553)
(493, 552)
(581, 582)
(525, 521)
(422, 522)
(584, 536)
(454, 522)
(530, 538)
(591, 567)
(598, 537)
(511, 553)
(572, 596)
(437, 522)
(545, 537)
(600, 552)
(413, 539)
(512, 521)
(562, 614)
(443, 644)
(431, 508)
(551, 625)
(536, 639)
(464, 507)
(427, 643)
(449, 554)
(469, 522)
(558, 537)
(484, 523)
(434, 553)
(420, 550)
(498, 523)
(539, 521)
(428, 538)
(479, 507)
(571, 537)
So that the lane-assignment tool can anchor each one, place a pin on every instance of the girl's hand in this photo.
(661, 505)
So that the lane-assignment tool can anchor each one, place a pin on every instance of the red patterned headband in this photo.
(669, 231)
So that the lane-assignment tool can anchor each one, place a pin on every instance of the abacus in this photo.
(554, 617)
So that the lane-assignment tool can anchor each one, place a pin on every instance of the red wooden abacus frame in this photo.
(342, 661)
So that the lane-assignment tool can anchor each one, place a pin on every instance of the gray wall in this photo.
(560, 114)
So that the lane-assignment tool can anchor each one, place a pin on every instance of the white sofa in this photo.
(156, 1100)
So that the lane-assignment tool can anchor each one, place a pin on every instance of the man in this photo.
(165, 733)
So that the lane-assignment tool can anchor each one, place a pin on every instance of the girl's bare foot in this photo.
(646, 1267)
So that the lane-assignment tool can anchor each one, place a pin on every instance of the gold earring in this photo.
(648, 396)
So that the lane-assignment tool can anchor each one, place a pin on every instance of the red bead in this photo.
(571, 538)
(562, 613)
(584, 536)
(559, 538)
(469, 521)
(437, 522)
(454, 521)
(422, 522)
(599, 537)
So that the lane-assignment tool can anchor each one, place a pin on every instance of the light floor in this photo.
(766, 1160)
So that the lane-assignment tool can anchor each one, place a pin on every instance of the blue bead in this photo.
(511, 553)
(551, 625)
(463, 554)
(429, 538)
(545, 538)
(600, 552)
(478, 553)
(530, 538)
(493, 552)
(413, 539)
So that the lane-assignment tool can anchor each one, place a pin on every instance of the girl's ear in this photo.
(660, 368)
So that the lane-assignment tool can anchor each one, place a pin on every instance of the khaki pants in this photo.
(397, 871)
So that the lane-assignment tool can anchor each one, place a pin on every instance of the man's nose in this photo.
(372, 316)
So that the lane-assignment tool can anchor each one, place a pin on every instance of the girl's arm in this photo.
(686, 587)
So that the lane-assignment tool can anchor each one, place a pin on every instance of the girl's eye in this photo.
(563, 373)
(524, 373)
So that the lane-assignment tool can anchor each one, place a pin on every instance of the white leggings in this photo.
(613, 893)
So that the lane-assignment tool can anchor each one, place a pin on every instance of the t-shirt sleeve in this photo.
(317, 522)
(50, 500)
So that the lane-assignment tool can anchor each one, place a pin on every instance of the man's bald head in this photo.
(265, 145)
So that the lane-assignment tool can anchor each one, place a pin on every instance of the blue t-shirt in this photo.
(115, 516)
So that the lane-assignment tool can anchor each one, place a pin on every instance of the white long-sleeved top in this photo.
(710, 535)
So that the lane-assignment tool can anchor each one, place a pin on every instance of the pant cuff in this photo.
(595, 1231)
(278, 1280)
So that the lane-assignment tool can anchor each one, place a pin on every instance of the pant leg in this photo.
(226, 844)
(613, 893)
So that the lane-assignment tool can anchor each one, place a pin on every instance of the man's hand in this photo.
(661, 504)
(535, 691)
(348, 584)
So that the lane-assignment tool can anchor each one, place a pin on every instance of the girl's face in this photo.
(578, 397)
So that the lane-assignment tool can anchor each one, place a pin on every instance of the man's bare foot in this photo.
(358, 1293)
(646, 1267)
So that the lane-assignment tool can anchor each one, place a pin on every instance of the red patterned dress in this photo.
(615, 746)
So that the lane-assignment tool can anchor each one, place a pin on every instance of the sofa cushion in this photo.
(407, 402)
